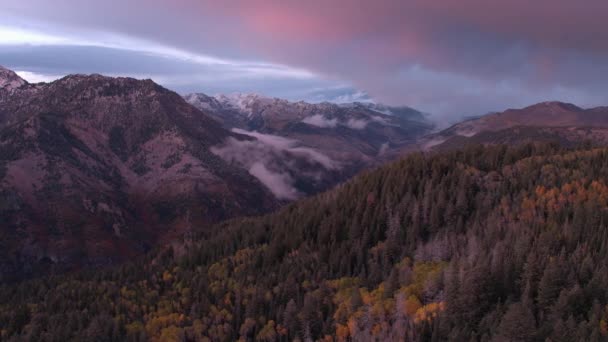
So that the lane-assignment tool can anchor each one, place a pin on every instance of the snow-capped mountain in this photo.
(253, 111)
(308, 147)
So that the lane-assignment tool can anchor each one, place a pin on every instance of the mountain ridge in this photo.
(551, 120)
(94, 170)
(343, 139)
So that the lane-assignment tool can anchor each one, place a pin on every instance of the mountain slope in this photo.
(493, 244)
(9, 80)
(95, 170)
(546, 121)
(327, 143)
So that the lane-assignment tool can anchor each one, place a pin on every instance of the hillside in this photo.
(95, 170)
(487, 243)
(559, 122)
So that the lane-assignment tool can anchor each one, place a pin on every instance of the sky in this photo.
(447, 58)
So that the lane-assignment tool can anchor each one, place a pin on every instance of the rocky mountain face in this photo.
(303, 148)
(547, 121)
(9, 80)
(94, 170)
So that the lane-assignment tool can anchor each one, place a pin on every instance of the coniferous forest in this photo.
(482, 244)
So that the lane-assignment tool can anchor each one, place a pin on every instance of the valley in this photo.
(303, 171)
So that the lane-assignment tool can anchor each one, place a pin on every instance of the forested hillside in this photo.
(488, 243)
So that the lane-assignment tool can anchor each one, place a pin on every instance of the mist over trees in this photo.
(482, 244)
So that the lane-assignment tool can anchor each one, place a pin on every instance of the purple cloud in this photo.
(459, 57)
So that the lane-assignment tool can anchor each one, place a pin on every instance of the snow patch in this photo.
(242, 102)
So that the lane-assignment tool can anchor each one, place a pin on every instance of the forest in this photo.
(489, 243)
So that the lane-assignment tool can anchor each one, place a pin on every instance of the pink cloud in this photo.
(375, 44)
(488, 40)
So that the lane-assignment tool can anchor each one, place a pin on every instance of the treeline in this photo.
(482, 244)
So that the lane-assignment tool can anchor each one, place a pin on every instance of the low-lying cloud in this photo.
(356, 124)
(276, 161)
(278, 183)
(320, 120)
(379, 119)
(383, 148)
(282, 144)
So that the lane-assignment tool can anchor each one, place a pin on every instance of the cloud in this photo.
(33, 77)
(337, 94)
(452, 58)
(16, 35)
(292, 146)
(278, 142)
(379, 119)
(278, 183)
(319, 120)
(184, 76)
(383, 148)
(274, 159)
(468, 53)
(315, 156)
(356, 124)
(357, 96)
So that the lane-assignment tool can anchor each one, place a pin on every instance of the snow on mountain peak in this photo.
(242, 101)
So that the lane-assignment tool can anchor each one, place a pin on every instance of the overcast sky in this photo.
(450, 58)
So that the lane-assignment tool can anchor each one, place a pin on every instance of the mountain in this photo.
(9, 80)
(95, 170)
(547, 121)
(306, 148)
(489, 243)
